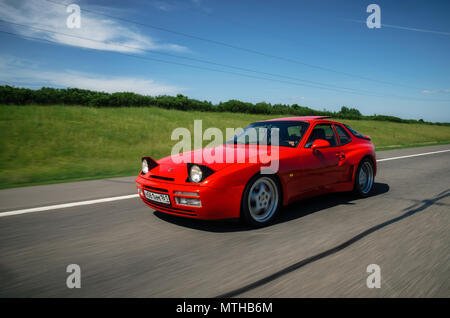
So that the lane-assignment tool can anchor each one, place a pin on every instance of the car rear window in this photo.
(356, 134)
(344, 137)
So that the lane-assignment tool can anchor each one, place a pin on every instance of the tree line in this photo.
(10, 95)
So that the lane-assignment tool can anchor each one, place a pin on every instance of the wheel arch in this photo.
(373, 160)
(356, 166)
(277, 179)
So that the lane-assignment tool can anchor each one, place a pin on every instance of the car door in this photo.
(345, 140)
(320, 167)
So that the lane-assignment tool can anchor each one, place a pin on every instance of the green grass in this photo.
(49, 144)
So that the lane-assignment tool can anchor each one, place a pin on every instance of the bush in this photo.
(10, 95)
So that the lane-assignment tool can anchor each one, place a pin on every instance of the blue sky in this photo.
(401, 69)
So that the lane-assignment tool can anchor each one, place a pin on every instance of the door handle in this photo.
(340, 155)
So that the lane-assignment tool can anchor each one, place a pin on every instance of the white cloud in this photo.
(392, 26)
(199, 4)
(13, 70)
(165, 5)
(414, 29)
(109, 35)
(435, 91)
(296, 99)
(171, 5)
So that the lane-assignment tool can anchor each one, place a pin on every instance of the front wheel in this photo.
(364, 178)
(261, 200)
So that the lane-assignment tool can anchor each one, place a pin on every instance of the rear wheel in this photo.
(261, 200)
(364, 178)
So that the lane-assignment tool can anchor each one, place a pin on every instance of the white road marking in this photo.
(416, 155)
(67, 205)
(131, 196)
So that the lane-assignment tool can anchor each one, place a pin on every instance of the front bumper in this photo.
(216, 203)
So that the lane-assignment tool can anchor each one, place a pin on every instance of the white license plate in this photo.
(157, 197)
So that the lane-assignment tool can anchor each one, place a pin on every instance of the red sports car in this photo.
(314, 156)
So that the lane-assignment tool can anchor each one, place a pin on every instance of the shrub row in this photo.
(10, 95)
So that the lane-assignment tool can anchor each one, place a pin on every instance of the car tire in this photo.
(261, 200)
(364, 178)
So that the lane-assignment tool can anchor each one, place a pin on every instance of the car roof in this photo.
(298, 118)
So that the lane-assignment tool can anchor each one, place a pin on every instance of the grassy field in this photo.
(49, 144)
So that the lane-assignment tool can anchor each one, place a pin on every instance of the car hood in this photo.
(175, 167)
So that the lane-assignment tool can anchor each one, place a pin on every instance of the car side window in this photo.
(295, 134)
(322, 131)
(344, 137)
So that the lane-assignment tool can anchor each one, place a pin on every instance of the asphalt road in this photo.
(318, 248)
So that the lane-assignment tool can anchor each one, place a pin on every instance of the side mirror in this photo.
(319, 143)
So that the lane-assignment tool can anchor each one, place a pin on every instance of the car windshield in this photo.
(290, 133)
